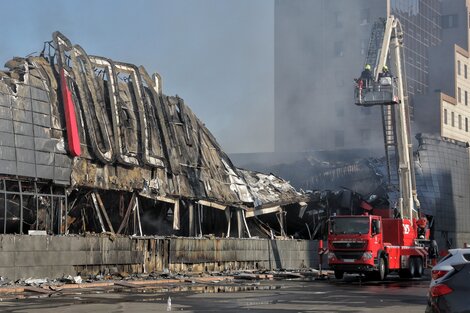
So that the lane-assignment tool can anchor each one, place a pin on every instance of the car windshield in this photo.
(350, 225)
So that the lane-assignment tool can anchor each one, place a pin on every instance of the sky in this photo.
(218, 55)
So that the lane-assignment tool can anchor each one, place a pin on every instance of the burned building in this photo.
(90, 144)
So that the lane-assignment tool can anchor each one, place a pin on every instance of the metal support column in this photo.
(5, 206)
(191, 218)
(240, 223)
(21, 206)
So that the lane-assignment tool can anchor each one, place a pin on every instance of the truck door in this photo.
(376, 231)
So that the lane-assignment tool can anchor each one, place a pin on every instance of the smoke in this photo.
(319, 51)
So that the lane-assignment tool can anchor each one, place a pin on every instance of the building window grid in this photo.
(449, 21)
(423, 31)
(365, 135)
(458, 67)
(465, 70)
(459, 95)
(339, 138)
(460, 121)
(466, 97)
(452, 122)
(445, 116)
(466, 124)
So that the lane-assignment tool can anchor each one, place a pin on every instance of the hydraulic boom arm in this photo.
(394, 102)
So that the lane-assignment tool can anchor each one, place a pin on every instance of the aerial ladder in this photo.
(390, 93)
(377, 242)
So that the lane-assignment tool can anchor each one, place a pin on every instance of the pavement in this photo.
(285, 295)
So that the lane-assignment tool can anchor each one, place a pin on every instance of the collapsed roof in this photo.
(86, 122)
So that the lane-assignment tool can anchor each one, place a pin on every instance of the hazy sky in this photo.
(218, 55)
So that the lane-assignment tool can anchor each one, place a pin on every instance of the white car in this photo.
(444, 268)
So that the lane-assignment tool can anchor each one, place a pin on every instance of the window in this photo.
(449, 21)
(339, 112)
(339, 138)
(445, 116)
(339, 51)
(452, 123)
(338, 23)
(339, 108)
(339, 78)
(365, 16)
(459, 94)
(365, 135)
(460, 121)
(465, 70)
(466, 97)
(365, 110)
(466, 124)
(458, 67)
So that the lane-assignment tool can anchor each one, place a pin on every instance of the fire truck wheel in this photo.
(413, 268)
(339, 274)
(382, 272)
(418, 267)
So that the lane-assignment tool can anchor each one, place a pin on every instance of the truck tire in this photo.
(419, 268)
(339, 274)
(382, 269)
(413, 268)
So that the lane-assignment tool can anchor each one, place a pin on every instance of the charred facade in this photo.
(89, 144)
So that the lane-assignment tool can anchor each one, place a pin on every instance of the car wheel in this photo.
(339, 274)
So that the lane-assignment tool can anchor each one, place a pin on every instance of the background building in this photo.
(445, 109)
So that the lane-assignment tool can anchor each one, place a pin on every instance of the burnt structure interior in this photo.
(88, 144)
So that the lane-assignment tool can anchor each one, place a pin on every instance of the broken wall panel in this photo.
(28, 128)
(55, 257)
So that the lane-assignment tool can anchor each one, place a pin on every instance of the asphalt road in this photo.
(349, 295)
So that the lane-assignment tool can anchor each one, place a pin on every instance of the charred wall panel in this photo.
(28, 147)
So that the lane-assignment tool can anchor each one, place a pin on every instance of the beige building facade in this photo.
(455, 110)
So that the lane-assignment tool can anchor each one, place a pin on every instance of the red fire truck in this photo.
(380, 241)
(375, 245)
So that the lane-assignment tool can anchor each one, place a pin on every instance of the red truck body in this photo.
(374, 245)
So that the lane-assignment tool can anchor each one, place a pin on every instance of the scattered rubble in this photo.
(151, 280)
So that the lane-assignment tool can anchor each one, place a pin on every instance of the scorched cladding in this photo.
(91, 144)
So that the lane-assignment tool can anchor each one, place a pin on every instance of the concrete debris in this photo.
(55, 286)
(71, 279)
(4, 281)
(35, 282)
(288, 275)
(249, 276)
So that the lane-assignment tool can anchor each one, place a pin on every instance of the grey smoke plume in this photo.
(320, 48)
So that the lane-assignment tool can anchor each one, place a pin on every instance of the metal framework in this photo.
(18, 193)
